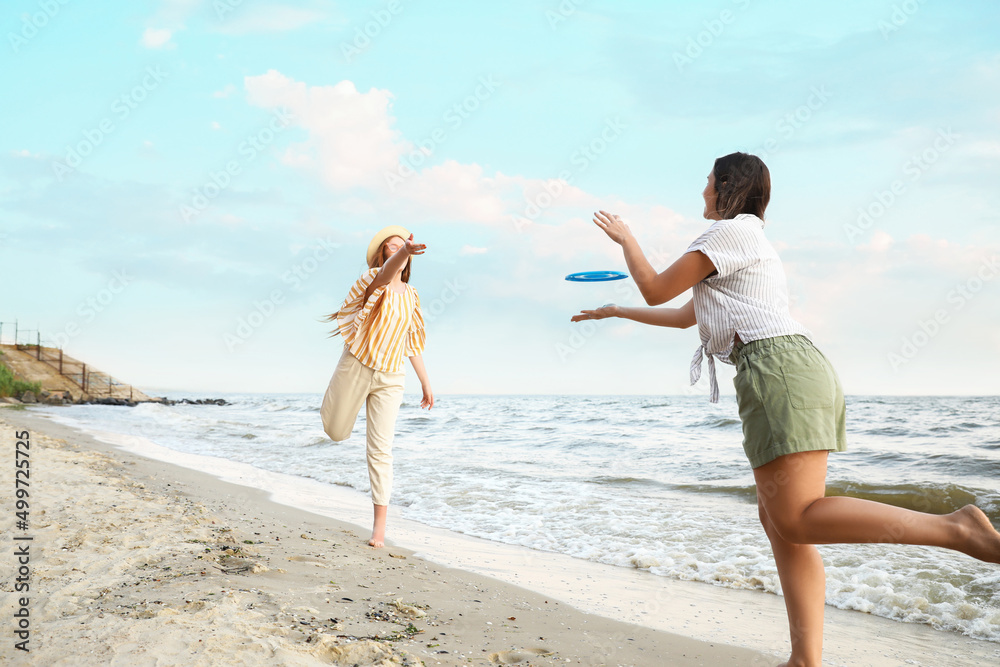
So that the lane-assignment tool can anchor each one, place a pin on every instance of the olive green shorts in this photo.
(789, 397)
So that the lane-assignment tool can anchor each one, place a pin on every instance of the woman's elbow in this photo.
(654, 299)
(651, 297)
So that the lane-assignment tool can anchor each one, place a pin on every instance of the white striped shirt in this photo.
(383, 329)
(748, 295)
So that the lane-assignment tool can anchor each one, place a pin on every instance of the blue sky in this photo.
(188, 186)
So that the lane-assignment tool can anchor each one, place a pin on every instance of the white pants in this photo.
(352, 385)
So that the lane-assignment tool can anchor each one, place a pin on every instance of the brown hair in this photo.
(378, 259)
(743, 185)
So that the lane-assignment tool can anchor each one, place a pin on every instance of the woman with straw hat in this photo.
(381, 323)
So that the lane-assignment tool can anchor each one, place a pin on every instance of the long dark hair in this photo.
(743, 185)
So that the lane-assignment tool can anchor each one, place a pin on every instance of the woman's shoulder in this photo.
(730, 227)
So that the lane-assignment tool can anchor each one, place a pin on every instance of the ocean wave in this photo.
(961, 466)
(716, 422)
(887, 430)
(626, 481)
(317, 442)
(932, 498)
(747, 493)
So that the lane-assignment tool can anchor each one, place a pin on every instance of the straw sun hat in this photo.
(382, 235)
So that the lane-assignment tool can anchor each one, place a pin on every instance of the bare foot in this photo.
(979, 538)
(381, 513)
(793, 662)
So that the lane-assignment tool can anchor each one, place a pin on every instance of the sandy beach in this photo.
(140, 560)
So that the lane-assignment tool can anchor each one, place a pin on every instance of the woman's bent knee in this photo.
(793, 531)
(785, 530)
(337, 434)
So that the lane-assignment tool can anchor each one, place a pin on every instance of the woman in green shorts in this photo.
(790, 400)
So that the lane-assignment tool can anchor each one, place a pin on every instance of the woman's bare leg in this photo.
(792, 489)
(795, 514)
(800, 567)
(378, 526)
(803, 583)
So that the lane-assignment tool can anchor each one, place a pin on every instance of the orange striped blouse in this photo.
(381, 337)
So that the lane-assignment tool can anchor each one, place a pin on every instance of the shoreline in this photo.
(713, 619)
(138, 561)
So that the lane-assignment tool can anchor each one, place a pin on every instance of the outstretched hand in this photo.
(414, 248)
(613, 226)
(607, 310)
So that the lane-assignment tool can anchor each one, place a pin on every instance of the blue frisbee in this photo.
(596, 276)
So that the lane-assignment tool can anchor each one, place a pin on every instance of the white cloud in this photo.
(174, 12)
(157, 38)
(472, 250)
(881, 241)
(351, 140)
(461, 192)
(216, 125)
(984, 148)
(226, 91)
(247, 19)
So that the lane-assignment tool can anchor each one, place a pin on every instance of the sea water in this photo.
(653, 483)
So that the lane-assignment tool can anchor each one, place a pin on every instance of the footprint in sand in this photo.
(518, 655)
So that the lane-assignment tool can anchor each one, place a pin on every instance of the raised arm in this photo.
(656, 288)
(393, 265)
(678, 318)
